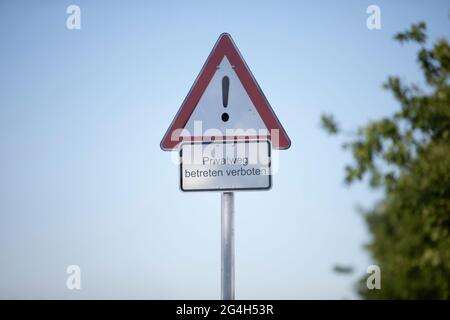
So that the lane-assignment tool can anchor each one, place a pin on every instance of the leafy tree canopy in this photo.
(408, 156)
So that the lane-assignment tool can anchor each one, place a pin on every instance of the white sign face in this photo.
(243, 118)
(225, 165)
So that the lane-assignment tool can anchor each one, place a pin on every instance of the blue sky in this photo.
(83, 180)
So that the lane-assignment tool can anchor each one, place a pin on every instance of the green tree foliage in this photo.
(408, 156)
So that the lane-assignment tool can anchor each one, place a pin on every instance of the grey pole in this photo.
(227, 271)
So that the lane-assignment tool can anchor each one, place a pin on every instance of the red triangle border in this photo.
(225, 47)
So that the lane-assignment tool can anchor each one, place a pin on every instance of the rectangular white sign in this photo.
(225, 165)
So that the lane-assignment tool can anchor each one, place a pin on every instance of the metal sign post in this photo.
(227, 225)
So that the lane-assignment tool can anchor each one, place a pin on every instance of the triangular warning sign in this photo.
(225, 103)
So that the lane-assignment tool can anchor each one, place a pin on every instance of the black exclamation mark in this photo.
(225, 90)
